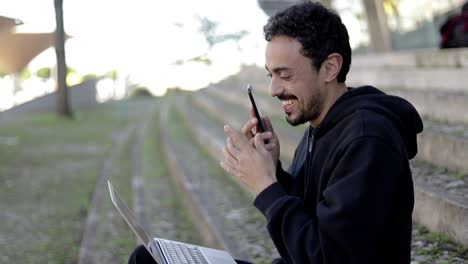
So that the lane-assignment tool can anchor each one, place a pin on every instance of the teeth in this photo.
(287, 102)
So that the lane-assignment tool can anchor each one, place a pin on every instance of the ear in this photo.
(333, 65)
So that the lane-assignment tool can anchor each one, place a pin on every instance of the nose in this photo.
(275, 88)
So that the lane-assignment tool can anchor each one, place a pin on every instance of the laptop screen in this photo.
(128, 215)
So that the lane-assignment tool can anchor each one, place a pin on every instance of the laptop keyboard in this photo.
(182, 253)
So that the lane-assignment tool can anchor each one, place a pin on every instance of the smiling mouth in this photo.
(288, 105)
(287, 102)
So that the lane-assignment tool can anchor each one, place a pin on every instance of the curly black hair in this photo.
(318, 29)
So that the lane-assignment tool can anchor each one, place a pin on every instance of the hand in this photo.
(250, 130)
(251, 165)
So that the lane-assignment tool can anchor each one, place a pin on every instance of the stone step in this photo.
(444, 145)
(422, 70)
(422, 58)
(445, 107)
(160, 198)
(203, 222)
(454, 205)
(226, 206)
(441, 201)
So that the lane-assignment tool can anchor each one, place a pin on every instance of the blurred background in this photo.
(138, 92)
(185, 44)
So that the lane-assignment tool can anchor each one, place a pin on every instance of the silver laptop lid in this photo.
(127, 214)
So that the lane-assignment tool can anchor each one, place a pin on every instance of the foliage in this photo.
(201, 59)
(44, 73)
(113, 74)
(140, 92)
(89, 76)
(25, 74)
(208, 29)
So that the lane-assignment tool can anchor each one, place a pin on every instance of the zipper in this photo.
(310, 148)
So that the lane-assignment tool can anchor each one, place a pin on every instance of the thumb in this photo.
(259, 143)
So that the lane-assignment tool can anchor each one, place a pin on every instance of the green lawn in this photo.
(48, 172)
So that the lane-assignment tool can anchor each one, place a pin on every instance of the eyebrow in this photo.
(278, 69)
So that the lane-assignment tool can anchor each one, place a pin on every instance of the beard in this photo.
(308, 112)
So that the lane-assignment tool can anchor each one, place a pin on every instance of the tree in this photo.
(208, 29)
(63, 106)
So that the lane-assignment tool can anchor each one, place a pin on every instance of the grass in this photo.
(47, 179)
(461, 175)
(114, 239)
(167, 215)
(48, 174)
(438, 244)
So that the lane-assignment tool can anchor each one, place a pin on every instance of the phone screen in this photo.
(260, 125)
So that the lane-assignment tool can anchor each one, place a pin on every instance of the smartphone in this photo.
(260, 125)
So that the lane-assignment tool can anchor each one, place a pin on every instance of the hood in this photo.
(399, 111)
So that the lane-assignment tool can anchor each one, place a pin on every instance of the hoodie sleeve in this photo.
(352, 212)
(284, 178)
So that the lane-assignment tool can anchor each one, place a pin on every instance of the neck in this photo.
(335, 91)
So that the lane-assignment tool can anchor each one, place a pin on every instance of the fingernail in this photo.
(226, 127)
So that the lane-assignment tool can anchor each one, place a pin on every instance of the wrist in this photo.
(267, 184)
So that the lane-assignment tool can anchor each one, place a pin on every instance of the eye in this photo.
(286, 78)
(269, 75)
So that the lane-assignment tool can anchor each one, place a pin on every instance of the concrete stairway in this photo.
(206, 124)
(441, 166)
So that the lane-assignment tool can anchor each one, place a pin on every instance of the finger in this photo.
(228, 157)
(252, 112)
(266, 135)
(270, 146)
(259, 143)
(253, 116)
(235, 137)
(232, 149)
(252, 142)
(247, 129)
(228, 168)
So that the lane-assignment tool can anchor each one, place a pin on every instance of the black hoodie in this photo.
(348, 195)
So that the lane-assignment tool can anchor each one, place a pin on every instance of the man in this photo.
(348, 195)
(454, 32)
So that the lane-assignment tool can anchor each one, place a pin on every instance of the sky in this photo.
(144, 38)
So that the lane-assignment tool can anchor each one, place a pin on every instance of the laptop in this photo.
(168, 251)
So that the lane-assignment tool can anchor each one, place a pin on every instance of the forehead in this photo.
(283, 51)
